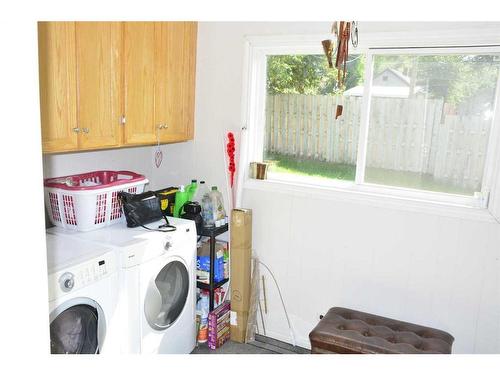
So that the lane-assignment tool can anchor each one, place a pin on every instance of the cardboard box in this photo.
(240, 278)
(241, 229)
(239, 320)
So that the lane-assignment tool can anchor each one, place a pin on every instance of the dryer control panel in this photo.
(82, 275)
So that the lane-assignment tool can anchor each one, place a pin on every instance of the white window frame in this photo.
(259, 47)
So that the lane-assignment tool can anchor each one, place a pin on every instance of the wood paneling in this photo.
(138, 65)
(98, 75)
(57, 70)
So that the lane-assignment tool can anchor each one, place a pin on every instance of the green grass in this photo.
(308, 167)
(279, 163)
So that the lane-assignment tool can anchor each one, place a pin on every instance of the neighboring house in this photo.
(390, 84)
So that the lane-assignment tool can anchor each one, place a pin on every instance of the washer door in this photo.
(166, 295)
(75, 330)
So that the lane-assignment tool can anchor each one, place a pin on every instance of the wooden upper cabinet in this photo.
(159, 73)
(98, 46)
(174, 79)
(57, 76)
(138, 66)
(93, 73)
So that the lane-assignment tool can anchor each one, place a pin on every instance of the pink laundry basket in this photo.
(89, 201)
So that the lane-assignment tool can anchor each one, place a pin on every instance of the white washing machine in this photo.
(83, 284)
(157, 296)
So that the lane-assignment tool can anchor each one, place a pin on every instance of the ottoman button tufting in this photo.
(329, 336)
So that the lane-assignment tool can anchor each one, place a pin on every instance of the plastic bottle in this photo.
(202, 310)
(207, 210)
(200, 192)
(191, 190)
(185, 194)
(218, 206)
(181, 197)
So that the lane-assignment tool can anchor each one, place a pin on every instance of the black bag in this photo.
(141, 209)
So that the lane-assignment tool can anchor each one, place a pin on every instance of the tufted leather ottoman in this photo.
(354, 332)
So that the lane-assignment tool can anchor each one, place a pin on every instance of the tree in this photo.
(309, 74)
(457, 79)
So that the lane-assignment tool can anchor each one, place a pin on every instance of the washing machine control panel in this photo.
(91, 273)
(82, 275)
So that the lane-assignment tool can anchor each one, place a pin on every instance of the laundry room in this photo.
(209, 187)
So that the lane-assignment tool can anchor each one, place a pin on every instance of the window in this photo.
(416, 123)
(303, 139)
(429, 128)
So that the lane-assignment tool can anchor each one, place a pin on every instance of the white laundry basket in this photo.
(89, 201)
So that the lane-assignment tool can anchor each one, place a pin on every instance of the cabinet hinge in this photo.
(122, 120)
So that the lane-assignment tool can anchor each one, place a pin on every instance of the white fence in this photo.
(410, 135)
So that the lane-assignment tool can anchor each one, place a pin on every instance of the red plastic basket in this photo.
(89, 201)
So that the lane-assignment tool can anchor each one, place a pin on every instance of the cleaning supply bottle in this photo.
(218, 206)
(202, 308)
(181, 197)
(185, 194)
(200, 192)
(207, 209)
(191, 190)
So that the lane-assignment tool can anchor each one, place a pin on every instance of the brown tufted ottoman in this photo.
(354, 332)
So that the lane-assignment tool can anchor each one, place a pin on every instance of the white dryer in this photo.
(83, 283)
(157, 296)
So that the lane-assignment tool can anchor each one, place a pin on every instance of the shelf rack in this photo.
(211, 286)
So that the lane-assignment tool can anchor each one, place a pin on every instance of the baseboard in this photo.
(278, 346)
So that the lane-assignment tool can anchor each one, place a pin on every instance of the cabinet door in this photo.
(57, 75)
(138, 65)
(98, 47)
(190, 45)
(175, 53)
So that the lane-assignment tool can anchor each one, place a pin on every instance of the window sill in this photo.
(374, 196)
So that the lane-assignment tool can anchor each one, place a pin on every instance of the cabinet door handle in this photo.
(86, 130)
(76, 130)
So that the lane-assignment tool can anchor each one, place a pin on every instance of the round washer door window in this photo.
(167, 295)
(74, 331)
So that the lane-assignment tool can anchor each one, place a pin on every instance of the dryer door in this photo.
(77, 328)
(166, 295)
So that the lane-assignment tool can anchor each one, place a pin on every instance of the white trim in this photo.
(371, 198)
(487, 40)
(491, 175)
(244, 138)
(419, 38)
(365, 119)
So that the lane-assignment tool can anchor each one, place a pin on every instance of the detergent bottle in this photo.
(191, 190)
(185, 194)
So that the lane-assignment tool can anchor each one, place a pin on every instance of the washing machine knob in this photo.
(167, 245)
(67, 281)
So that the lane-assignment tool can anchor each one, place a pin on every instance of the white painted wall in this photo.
(136, 159)
(428, 269)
